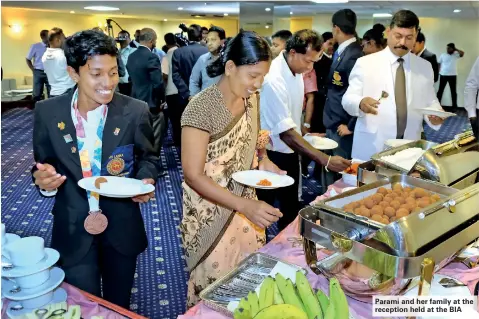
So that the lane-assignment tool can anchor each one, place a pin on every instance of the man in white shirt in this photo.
(55, 64)
(171, 92)
(448, 72)
(471, 101)
(281, 109)
(388, 89)
(125, 50)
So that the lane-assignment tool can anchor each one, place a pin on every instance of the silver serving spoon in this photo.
(450, 283)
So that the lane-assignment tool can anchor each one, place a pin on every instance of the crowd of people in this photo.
(234, 104)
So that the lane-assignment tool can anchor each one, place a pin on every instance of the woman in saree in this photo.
(223, 222)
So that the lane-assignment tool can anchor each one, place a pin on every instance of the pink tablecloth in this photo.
(88, 308)
(288, 246)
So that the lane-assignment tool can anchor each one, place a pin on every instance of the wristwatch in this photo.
(307, 125)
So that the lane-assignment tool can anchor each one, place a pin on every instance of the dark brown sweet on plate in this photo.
(100, 180)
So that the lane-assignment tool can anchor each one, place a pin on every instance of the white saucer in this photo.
(438, 290)
(56, 278)
(117, 187)
(49, 260)
(60, 295)
(321, 143)
(10, 238)
(441, 114)
(252, 177)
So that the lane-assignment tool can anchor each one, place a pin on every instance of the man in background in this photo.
(55, 64)
(339, 124)
(183, 61)
(448, 72)
(204, 35)
(136, 41)
(171, 91)
(281, 102)
(471, 100)
(34, 62)
(421, 51)
(279, 40)
(125, 50)
(200, 79)
(147, 84)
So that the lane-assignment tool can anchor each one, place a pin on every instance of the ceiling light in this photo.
(72, 11)
(197, 16)
(180, 8)
(330, 1)
(291, 12)
(267, 9)
(457, 11)
(267, 26)
(382, 15)
(165, 20)
(101, 8)
(225, 14)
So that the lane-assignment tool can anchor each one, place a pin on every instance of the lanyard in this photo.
(89, 168)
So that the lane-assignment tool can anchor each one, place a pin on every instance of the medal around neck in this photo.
(96, 222)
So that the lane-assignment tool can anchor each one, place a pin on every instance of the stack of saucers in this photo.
(29, 280)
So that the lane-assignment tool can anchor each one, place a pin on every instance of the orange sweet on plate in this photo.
(264, 182)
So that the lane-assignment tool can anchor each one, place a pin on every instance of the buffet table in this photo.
(288, 247)
(90, 305)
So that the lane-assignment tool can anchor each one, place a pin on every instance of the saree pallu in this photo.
(215, 238)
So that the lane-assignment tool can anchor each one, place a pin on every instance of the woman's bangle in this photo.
(326, 167)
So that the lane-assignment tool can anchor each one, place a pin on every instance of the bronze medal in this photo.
(96, 222)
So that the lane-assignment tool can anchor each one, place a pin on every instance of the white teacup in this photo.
(26, 251)
(32, 281)
(38, 301)
(4, 232)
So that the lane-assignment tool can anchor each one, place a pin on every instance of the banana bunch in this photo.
(279, 298)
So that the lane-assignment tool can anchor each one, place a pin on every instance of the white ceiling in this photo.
(254, 10)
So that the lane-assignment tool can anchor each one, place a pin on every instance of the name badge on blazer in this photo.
(120, 163)
(337, 79)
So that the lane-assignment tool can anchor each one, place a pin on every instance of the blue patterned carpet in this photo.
(160, 282)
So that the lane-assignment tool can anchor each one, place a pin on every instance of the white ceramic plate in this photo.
(251, 178)
(321, 143)
(60, 295)
(117, 187)
(9, 238)
(49, 260)
(438, 113)
(56, 278)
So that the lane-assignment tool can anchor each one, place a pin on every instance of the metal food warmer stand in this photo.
(408, 250)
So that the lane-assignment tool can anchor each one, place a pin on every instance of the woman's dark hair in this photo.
(246, 48)
(83, 45)
(302, 39)
(405, 19)
(376, 34)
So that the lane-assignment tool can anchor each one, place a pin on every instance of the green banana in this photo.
(283, 311)
(266, 293)
(330, 312)
(241, 313)
(244, 304)
(338, 299)
(286, 288)
(323, 300)
(311, 304)
(277, 299)
(253, 303)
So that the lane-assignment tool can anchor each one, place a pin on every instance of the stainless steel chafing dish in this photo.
(454, 163)
(402, 250)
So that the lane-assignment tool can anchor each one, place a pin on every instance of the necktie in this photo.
(401, 100)
(335, 55)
